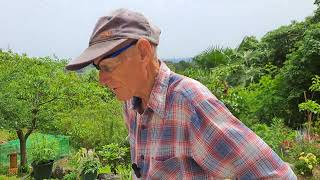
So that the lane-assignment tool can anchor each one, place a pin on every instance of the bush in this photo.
(275, 135)
(105, 170)
(307, 147)
(42, 149)
(4, 169)
(87, 161)
(306, 163)
(124, 172)
(70, 176)
(114, 155)
(94, 125)
(6, 135)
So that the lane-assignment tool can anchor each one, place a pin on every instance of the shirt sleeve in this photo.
(224, 147)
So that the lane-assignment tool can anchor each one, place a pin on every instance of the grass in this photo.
(2, 177)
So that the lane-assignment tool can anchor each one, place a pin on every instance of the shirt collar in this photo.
(157, 99)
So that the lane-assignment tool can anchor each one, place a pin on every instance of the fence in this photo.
(14, 146)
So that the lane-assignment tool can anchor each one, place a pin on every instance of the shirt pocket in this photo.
(165, 168)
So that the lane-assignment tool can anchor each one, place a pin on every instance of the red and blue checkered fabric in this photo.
(187, 133)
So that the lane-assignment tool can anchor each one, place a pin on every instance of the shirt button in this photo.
(142, 157)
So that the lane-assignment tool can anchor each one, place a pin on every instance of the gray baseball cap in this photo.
(114, 31)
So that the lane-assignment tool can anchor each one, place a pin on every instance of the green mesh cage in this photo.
(14, 146)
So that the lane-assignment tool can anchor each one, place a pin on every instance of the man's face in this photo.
(122, 73)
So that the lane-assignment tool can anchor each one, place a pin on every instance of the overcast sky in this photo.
(63, 27)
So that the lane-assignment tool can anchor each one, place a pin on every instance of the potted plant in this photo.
(88, 164)
(43, 152)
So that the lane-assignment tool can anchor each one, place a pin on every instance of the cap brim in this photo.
(95, 51)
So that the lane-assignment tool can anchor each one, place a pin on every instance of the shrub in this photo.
(4, 169)
(275, 135)
(124, 172)
(6, 135)
(94, 125)
(70, 176)
(306, 163)
(114, 155)
(104, 170)
(42, 149)
(87, 160)
(297, 149)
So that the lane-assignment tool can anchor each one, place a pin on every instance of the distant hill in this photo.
(187, 59)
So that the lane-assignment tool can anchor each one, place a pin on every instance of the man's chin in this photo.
(119, 98)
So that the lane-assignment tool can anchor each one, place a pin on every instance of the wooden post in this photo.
(13, 168)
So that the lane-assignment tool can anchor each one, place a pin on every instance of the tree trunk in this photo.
(23, 149)
(309, 125)
(226, 88)
(309, 118)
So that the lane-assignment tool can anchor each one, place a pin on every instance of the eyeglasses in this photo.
(113, 63)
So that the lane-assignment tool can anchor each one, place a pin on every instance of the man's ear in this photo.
(144, 48)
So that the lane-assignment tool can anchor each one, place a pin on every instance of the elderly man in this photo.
(177, 128)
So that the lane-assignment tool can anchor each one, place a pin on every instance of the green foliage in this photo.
(282, 41)
(302, 65)
(125, 172)
(2, 177)
(114, 155)
(95, 124)
(315, 87)
(306, 163)
(96, 106)
(262, 100)
(249, 43)
(211, 58)
(35, 91)
(303, 146)
(29, 86)
(43, 150)
(4, 169)
(6, 135)
(311, 106)
(316, 127)
(235, 102)
(70, 176)
(105, 169)
(32, 92)
(274, 135)
(180, 66)
(87, 161)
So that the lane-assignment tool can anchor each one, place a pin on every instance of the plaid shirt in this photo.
(187, 133)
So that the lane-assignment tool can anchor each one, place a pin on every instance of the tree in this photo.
(295, 77)
(280, 42)
(97, 123)
(211, 58)
(30, 91)
(249, 43)
(311, 107)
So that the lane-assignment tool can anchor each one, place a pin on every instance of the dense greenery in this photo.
(38, 94)
(267, 78)
(43, 150)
